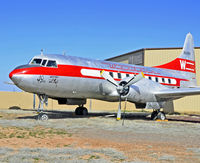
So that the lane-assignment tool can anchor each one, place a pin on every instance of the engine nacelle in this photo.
(143, 91)
(71, 101)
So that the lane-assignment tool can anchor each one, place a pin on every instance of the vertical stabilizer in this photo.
(185, 63)
(188, 48)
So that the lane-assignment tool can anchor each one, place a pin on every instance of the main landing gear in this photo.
(43, 99)
(81, 110)
(158, 115)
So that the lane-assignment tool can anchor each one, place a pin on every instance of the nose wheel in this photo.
(81, 111)
(43, 116)
(43, 99)
(158, 115)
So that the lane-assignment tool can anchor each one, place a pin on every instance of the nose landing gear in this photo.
(43, 99)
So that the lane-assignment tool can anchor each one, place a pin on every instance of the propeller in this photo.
(121, 87)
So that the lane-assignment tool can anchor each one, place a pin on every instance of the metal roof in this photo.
(143, 49)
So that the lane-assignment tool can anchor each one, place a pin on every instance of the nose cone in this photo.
(15, 77)
(11, 75)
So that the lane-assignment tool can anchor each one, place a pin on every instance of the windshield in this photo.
(36, 61)
(43, 62)
(51, 63)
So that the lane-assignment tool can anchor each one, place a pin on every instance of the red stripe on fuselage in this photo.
(75, 71)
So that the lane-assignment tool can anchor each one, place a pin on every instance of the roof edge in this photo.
(143, 49)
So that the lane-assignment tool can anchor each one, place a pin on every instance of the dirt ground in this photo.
(97, 137)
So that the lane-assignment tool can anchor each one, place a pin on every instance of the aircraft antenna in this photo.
(42, 52)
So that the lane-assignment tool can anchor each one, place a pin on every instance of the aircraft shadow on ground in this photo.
(52, 114)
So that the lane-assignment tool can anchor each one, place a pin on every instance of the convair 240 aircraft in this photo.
(71, 80)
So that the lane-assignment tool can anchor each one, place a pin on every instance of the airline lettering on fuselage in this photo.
(53, 79)
(41, 79)
(128, 68)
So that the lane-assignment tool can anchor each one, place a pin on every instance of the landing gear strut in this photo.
(81, 110)
(157, 114)
(43, 99)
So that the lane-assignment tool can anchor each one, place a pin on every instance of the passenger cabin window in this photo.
(119, 75)
(36, 61)
(156, 79)
(169, 81)
(149, 77)
(163, 80)
(127, 75)
(51, 63)
(111, 74)
(44, 62)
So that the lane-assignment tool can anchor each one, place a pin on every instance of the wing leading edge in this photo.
(177, 93)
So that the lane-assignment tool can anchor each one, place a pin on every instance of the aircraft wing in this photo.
(177, 93)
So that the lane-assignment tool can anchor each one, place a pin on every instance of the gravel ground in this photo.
(96, 138)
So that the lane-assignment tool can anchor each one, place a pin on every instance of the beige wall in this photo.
(159, 57)
(25, 101)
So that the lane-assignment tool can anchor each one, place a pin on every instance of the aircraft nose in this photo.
(15, 77)
(11, 75)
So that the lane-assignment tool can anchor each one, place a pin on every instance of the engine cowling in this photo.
(143, 91)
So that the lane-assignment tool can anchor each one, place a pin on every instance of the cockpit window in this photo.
(36, 61)
(44, 62)
(51, 63)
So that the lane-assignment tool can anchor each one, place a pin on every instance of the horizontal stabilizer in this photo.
(179, 92)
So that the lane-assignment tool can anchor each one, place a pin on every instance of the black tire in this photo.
(43, 117)
(78, 111)
(81, 111)
(154, 115)
(84, 111)
(161, 116)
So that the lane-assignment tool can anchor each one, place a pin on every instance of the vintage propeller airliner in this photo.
(71, 80)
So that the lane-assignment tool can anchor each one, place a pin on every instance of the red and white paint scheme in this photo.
(71, 80)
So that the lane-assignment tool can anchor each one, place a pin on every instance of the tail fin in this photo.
(185, 63)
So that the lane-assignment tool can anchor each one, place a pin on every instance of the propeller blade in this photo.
(124, 112)
(10, 83)
(134, 79)
(109, 78)
(119, 109)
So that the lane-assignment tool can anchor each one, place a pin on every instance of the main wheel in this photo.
(154, 115)
(161, 116)
(78, 111)
(81, 111)
(84, 111)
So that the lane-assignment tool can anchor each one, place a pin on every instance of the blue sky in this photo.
(91, 28)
